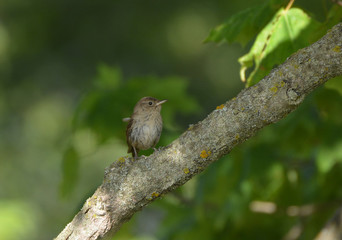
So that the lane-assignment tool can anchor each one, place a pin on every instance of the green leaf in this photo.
(70, 167)
(243, 26)
(287, 32)
(334, 16)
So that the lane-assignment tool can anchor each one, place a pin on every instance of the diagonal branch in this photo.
(130, 185)
(333, 228)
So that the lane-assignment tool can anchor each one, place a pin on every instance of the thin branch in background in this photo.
(333, 229)
(289, 5)
(338, 2)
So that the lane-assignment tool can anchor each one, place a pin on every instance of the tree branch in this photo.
(333, 229)
(130, 185)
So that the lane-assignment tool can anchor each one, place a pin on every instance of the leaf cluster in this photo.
(277, 33)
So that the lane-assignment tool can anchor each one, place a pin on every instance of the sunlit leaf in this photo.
(287, 32)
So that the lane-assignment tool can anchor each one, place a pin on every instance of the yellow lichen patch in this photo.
(282, 84)
(191, 126)
(237, 136)
(205, 154)
(337, 49)
(121, 160)
(242, 109)
(274, 89)
(234, 98)
(89, 203)
(220, 107)
(155, 194)
(186, 170)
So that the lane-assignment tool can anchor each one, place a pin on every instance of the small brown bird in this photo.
(144, 126)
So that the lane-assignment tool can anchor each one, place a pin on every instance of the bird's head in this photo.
(149, 104)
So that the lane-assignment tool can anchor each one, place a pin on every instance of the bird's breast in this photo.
(146, 132)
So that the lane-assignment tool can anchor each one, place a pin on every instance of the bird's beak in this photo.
(161, 102)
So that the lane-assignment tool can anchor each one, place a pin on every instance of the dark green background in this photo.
(71, 70)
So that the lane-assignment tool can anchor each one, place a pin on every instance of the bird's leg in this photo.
(135, 153)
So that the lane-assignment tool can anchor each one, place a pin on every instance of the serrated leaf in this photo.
(70, 170)
(287, 32)
(243, 26)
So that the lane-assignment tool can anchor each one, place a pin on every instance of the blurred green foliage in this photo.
(103, 108)
(70, 168)
(70, 71)
(17, 220)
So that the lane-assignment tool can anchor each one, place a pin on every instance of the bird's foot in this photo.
(138, 157)
(157, 149)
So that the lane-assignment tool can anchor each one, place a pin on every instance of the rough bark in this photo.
(130, 185)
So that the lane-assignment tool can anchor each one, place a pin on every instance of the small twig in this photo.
(289, 5)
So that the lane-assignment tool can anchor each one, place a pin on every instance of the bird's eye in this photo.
(150, 103)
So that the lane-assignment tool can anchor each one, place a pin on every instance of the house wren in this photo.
(144, 126)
